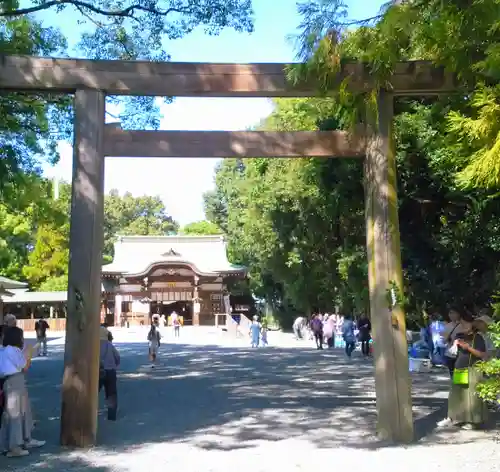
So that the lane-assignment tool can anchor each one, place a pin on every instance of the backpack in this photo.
(153, 334)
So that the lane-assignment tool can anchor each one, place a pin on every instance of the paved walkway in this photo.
(225, 407)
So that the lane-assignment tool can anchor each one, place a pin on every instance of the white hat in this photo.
(485, 319)
(103, 333)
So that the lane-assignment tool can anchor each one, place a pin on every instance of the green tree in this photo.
(20, 216)
(284, 221)
(30, 124)
(15, 238)
(298, 224)
(41, 252)
(134, 29)
(464, 40)
(129, 215)
(203, 227)
(49, 257)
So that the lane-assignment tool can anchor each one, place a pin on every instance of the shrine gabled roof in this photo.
(11, 284)
(136, 255)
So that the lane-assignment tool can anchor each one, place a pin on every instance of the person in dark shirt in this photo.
(365, 327)
(465, 408)
(41, 327)
(317, 329)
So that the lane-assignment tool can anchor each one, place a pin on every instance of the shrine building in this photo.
(149, 275)
(161, 274)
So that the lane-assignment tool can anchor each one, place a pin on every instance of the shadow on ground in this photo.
(215, 398)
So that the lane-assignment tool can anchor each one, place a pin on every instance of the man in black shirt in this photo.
(41, 327)
(365, 327)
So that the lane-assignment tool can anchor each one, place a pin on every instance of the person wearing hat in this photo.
(10, 320)
(481, 324)
(105, 333)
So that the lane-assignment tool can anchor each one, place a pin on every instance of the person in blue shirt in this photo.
(348, 335)
(255, 328)
(437, 329)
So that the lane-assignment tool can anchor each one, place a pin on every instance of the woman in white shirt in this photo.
(16, 421)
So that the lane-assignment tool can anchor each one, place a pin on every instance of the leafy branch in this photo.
(127, 12)
(489, 388)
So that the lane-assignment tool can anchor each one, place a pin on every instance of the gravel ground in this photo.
(225, 407)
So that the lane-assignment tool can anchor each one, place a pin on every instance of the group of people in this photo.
(324, 328)
(16, 420)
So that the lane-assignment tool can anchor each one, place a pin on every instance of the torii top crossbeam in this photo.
(200, 79)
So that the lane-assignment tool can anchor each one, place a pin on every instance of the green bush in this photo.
(489, 389)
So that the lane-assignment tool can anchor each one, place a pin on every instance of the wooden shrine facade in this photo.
(161, 274)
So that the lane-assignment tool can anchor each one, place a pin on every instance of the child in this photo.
(154, 337)
(263, 332)
(254, 333)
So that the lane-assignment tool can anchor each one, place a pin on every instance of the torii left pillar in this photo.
(81, 356)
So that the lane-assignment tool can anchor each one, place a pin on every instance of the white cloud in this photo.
(179, 182)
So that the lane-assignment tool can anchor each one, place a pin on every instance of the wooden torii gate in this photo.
(91, 81)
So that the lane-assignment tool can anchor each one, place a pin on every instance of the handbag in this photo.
(461, 375)
(451, 351)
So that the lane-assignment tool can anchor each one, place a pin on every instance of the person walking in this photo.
(317, 329)
(329, 331)
(365, 327)
(254, 333)
(263, 332)
(348, 335)
(109, 361)
(176, 323)
(41, 327)
(437, 329)
(154, 338)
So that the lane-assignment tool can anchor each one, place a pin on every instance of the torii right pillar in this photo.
(392, 377)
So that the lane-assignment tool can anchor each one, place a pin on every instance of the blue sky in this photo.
(181, 182)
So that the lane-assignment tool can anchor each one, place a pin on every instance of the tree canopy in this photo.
(201, 228)
(31, 124)
(136, 29)
(462, 37)
(299, 223)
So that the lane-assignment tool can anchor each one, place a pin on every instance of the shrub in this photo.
(489, 389)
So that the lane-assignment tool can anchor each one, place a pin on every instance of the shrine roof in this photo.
(11, 284)
(23, 296)
(136, 255)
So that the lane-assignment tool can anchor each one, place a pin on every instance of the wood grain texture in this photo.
(81, 358)
(120, 143)
(203, 79)
(392, 378)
